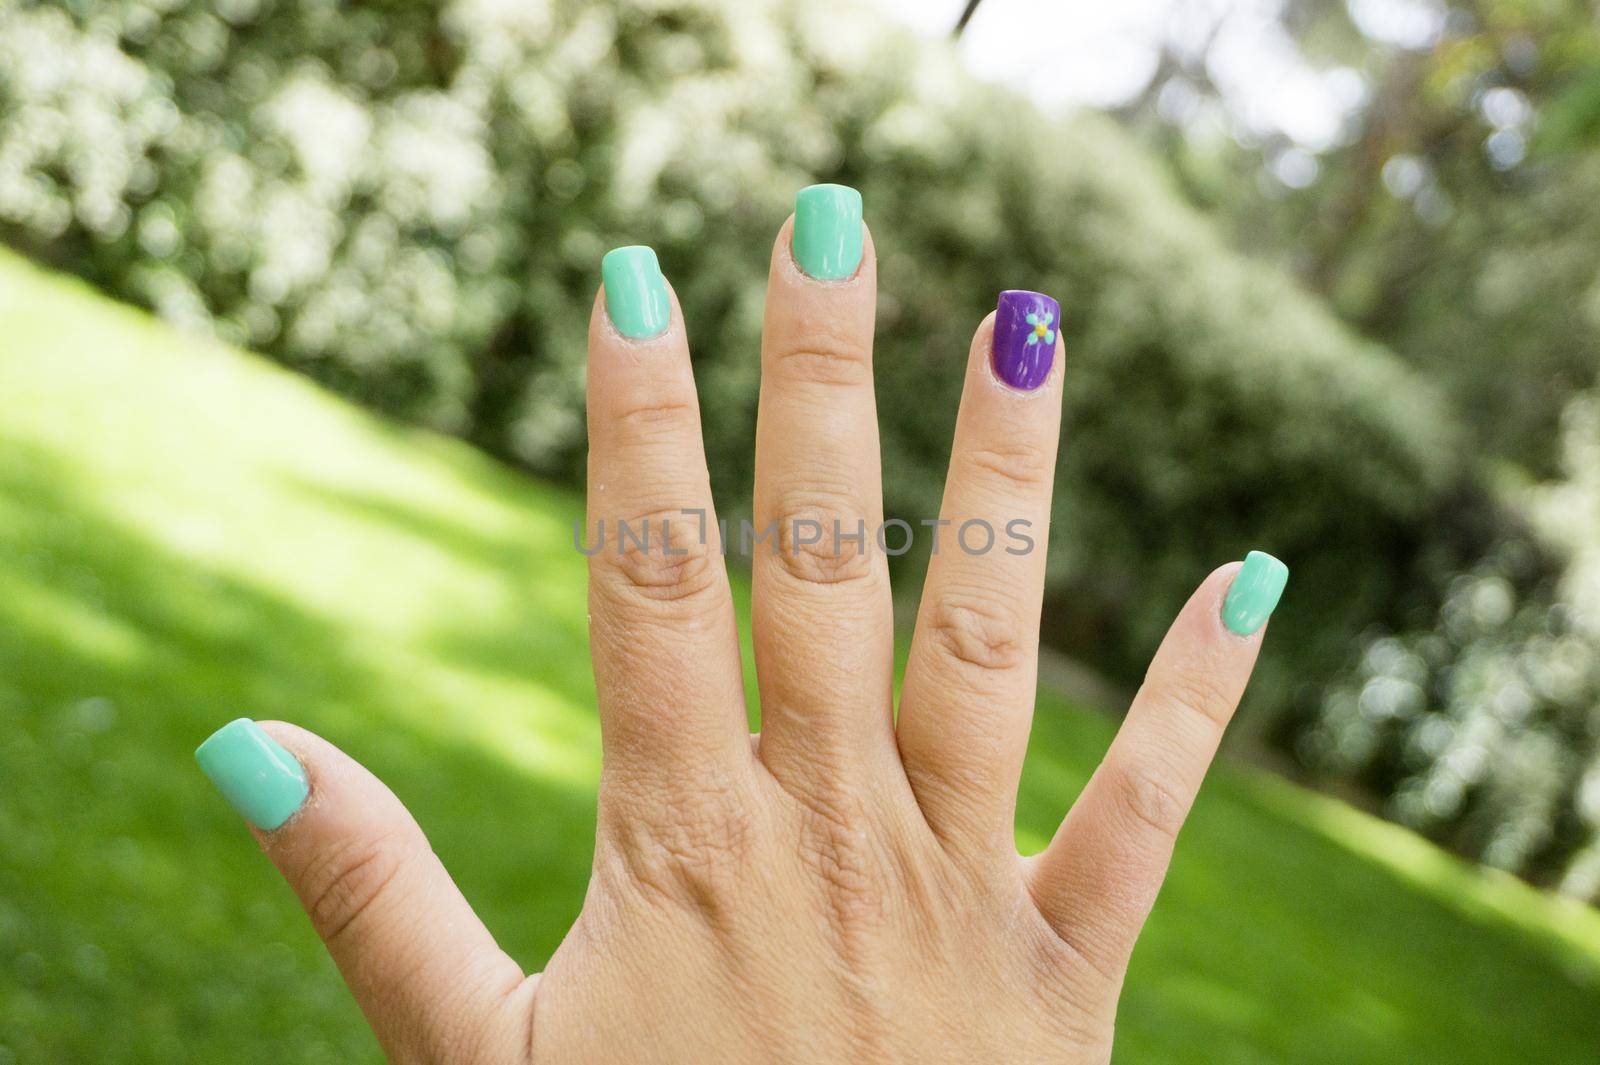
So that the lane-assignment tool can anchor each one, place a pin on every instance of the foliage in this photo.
(1454, 220)
(1473, 248)
(1485, 727)
(229, 543)
(1452, 217)
(408, 202)
(1475, 253)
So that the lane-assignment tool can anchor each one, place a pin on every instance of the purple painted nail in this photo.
(1025, 325)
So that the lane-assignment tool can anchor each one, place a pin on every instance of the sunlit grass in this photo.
(188, 535)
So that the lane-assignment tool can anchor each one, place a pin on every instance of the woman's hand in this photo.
(844, 887)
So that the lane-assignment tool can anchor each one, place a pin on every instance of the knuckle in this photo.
(352, 878)
(653, 416)
(813, 546)
(1081, 955)
(977, 633)
(1198, 692)
(837, 848)
(692, 851)
(659, 557)
(1017, 465)
(825, 359)
(1066, 987)
(1148, 801)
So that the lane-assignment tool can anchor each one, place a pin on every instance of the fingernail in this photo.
(1024, 345)
(827, 231)
(1254, 593)
(254, 772)
(636, 293)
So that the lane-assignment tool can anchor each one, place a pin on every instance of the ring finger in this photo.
(967, 702)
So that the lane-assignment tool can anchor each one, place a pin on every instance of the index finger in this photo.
(662, 629)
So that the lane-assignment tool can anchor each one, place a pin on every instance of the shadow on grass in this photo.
(535, 627)
(132, 900)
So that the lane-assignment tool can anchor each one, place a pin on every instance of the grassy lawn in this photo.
(189, 535)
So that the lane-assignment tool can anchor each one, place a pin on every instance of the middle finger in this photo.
(820, 611)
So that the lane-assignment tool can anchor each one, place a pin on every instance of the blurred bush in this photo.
(1483, 728)
(408, 202)
(1453, 219)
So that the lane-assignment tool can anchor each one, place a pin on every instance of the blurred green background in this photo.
(1331, 279)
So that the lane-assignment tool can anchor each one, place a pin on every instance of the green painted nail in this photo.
(1254, 593)
(636, 293)
(254, 772)
(827, 231)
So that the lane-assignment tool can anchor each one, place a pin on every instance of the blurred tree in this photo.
(1456, 218)
(1452, 217)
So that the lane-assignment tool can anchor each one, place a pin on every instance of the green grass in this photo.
(189, 535)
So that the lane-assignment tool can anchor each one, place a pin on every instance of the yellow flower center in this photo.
(1041, 329)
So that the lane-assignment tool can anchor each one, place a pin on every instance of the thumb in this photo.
(428, 975)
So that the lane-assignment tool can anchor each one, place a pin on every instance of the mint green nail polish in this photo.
(636, 293)
(254, 772)
(827, 231)
(1254, 593)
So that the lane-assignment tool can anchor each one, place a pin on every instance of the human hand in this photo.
(844, 886)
